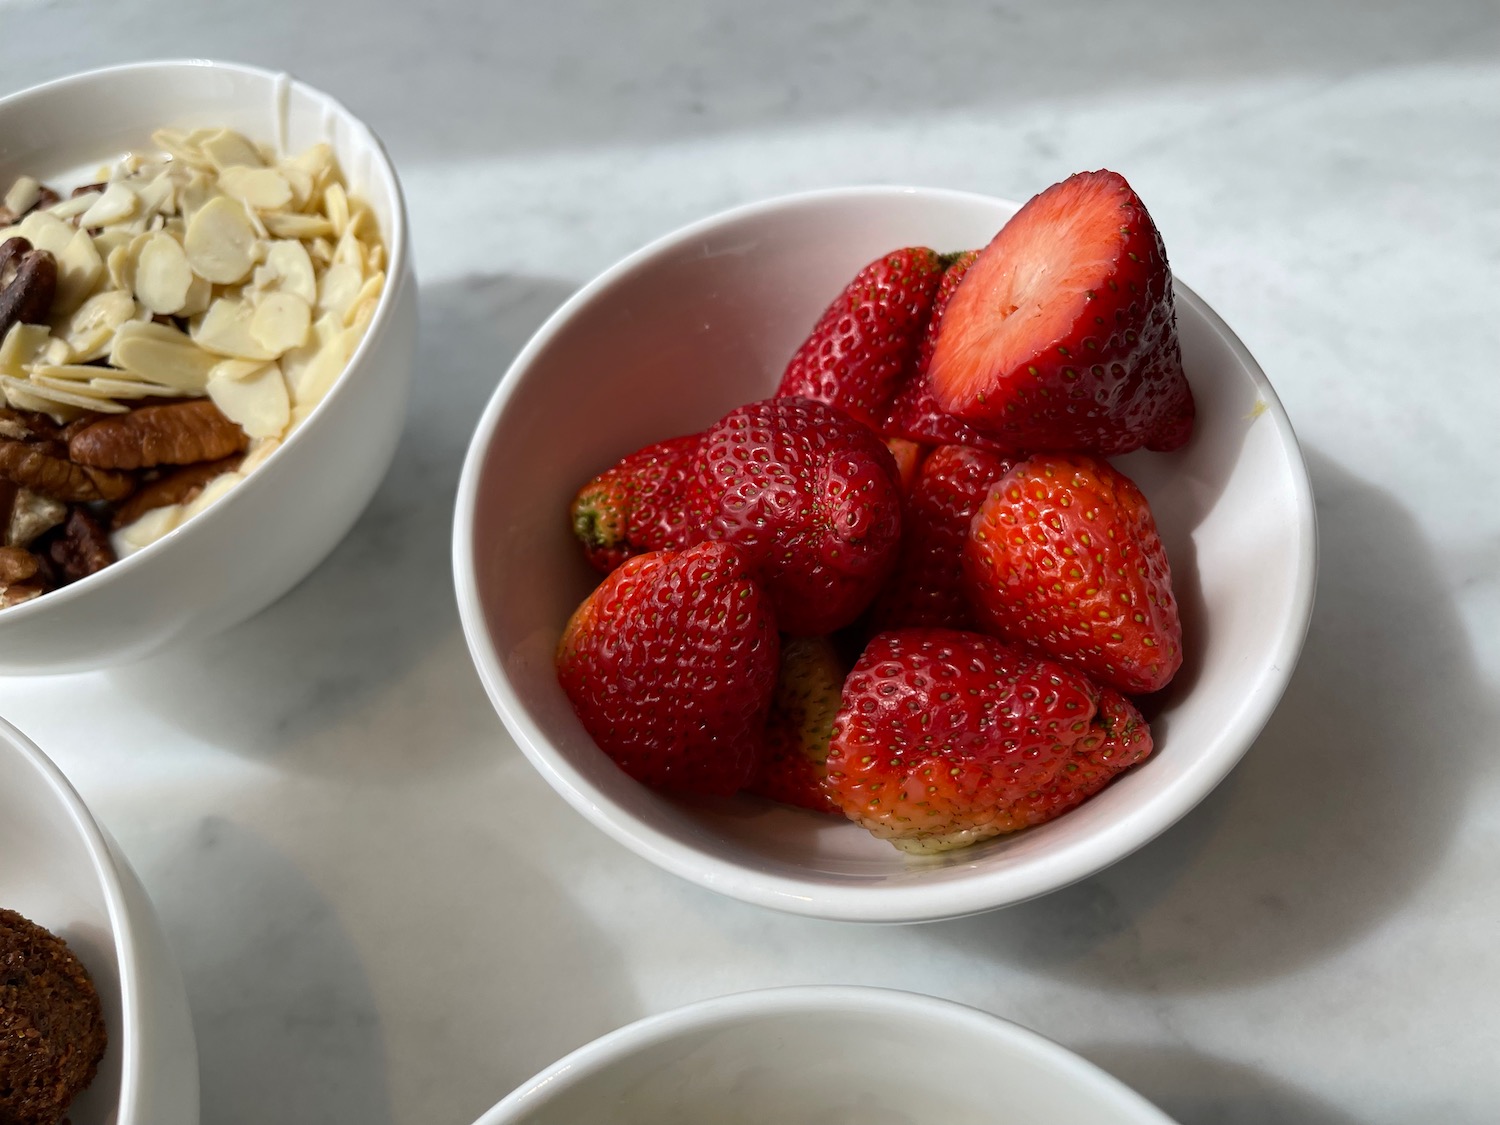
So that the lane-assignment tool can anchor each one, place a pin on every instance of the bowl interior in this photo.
(53, 870)
(687, 329)
(822, 1057)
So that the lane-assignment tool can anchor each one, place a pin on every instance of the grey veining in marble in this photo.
(384, 916)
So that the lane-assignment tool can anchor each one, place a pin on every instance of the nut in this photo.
(31, 516)
(17, 564)
(42, 467)
(180, 486)
(82, 548)
(179, 433)
(24, 197)
(28, 280)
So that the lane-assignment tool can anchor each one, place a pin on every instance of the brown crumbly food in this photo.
(51, 1027)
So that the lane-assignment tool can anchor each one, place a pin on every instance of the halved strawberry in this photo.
(866, 339)
(946, 738)
(1063, 335)
(1064, 557)
(808, 689)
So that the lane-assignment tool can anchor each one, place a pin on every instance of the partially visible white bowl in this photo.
(255, 544)
(823, 1056)
(679, 333)
(61, 870)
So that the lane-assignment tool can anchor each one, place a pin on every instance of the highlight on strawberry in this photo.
(929, 486)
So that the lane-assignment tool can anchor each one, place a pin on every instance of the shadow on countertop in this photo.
(445, 81)
(1345, 803)
(361, 671)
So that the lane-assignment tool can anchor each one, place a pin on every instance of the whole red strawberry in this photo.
(1064, 556)
(638, 505)
(946, 738)
(809, 495)
(927, 586)
(808, 690)
(1063, 334)
(670, 664)
(914, 412)
(865, 341)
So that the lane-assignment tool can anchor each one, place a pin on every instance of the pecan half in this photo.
(35, 466)
(177, 487)
(28, 280)
(181, 433)
(83, 548)
(17, 565)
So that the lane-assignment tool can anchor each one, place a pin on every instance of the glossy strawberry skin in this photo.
(1064, 557)
(809, 687)
(638, 505)
(927, 586)
(946, 738)
(670, 665)
(866, 340)
(809, 495)
(1062, 335)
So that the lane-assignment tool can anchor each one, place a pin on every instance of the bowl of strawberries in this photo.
(887, 554)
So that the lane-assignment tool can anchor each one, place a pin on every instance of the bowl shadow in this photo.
(1330, 823)
(358, 666)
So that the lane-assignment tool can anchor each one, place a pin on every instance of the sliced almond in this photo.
(281, 321)
(132, 388)
(259, 403)
(288, 269)
(315, 379)
(264, 189)
(161, 354)
(145, 531)
(117, 204)
(362, 309)
(76, 205)
(289, 224)
(338, 288)
(220, 242)
(214, 491)
(65, 373)
(200, 295)
(336, 207)
(225, 330)
(227, 148)
(18, 393)
(92, 326)
(57, 351)
(260, 449)
(176, 144)
(22, 195)
(83, 390)
(45, 231)
(21, 346)
(162, 275)
(79, 269)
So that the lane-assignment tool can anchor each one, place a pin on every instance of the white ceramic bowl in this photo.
(259, 541)
(823, 1056)
(705, 319)
(61, 870)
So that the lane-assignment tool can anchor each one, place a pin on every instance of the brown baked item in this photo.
(51, 1027)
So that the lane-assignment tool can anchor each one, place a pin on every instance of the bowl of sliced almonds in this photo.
(207, 325)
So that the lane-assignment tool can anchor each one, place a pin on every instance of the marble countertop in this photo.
(384, 916)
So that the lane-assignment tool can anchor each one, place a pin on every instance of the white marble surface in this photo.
(385, 917)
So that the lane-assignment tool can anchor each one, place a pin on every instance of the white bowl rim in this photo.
(127, 1037)
(720, 1011)
(914, 902)
(397, 253)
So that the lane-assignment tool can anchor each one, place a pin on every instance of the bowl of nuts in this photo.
(207, 325)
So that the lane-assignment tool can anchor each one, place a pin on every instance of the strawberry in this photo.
(927, 586)
(670, 665)
(947, 738)
(908, 456)
(638, 505)
(809, 495)
(1064, 557)
(808, 689)
(867, 338)
(914, 412)
(1062, 335)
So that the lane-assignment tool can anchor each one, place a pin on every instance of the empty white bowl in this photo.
(823, 1056)
(256, 543)
(703, 320)
(60, 869)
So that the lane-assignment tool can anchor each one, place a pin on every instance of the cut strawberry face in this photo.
(1062, 335)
